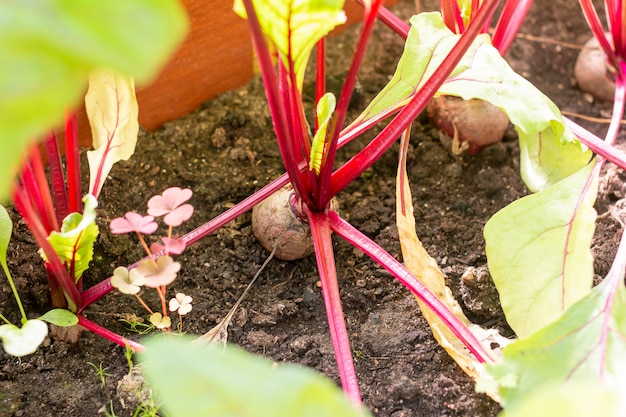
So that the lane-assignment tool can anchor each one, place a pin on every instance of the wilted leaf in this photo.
(538, 251)
(74, 243)
(425, 268)
(112, 110)
(209, 381)
(295, 26)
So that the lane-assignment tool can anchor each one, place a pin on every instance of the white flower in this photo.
(182, 303)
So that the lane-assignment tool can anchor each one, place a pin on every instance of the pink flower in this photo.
(133, 222)
(163, 273)
(170, 246)
(170, 204)
(128, 282)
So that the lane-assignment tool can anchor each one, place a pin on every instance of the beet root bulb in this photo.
(473, 124)
(592, 72)
(274, 219)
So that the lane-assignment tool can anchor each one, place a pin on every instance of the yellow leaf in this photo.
(113, 111)
(425, 268)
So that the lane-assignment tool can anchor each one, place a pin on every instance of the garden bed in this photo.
(226, 150)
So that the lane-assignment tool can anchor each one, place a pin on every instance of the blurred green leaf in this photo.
(572, 399)
(194, 380)
(49, 47)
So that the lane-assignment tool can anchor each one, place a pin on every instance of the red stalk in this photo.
(59, 271)
(595, 25)
(107, 334)
(391, 20)
(342, 105)
(597, 145)
(300, 141)
(352, 169)
(451, 15)
(28, 186)
(508, 25)
(614, 18)
(56, 177)
(279, 118)
(43, 190)
(328, 276)
(72, 158)
(378, 254)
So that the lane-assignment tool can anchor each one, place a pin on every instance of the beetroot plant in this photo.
(468, 115)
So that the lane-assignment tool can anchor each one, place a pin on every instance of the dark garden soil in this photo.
(224, 152)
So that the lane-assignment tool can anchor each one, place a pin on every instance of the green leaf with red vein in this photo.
(538, 251)
(74, 243)
(549, 152)
(295, 26)
(586, 345)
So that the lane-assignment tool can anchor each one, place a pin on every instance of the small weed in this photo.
(136, 325)
(128, 354)
(106, 411)
(147, 410)
(102, 372)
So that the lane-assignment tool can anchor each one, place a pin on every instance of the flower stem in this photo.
(161, 291)
(143, 304)
(5, 267)
(4, 319)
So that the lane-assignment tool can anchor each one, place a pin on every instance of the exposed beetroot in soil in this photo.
(274, 220)
(592, 73)
(473, 124)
